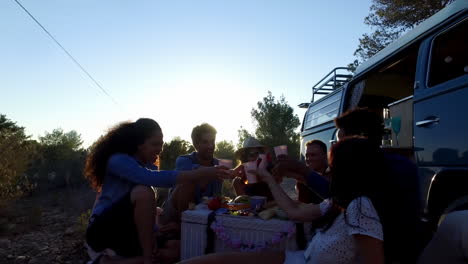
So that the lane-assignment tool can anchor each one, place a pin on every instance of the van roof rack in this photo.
(333, 80)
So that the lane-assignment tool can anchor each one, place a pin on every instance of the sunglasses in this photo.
(254, 153)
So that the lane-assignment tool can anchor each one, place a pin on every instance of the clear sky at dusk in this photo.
(179, 62)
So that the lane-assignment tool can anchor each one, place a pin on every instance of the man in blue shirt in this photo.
(203, 139)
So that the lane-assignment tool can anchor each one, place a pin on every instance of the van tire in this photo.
(451, 208)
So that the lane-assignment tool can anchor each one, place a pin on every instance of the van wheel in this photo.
(453, 207)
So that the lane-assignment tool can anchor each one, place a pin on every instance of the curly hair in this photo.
(362, 122)
(124, 138)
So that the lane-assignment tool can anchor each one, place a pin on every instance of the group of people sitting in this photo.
(362, 202)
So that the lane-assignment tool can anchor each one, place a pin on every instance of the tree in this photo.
(70, 140)
(242, 134)
(225, 150)
(276, 124)
(61, 154)
(172, 150)
(17, 151)
(390, 19)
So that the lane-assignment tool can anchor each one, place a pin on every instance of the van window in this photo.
(449, 58)
(325, 110)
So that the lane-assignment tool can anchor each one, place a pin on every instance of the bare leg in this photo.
(144, 212)
(271, 257)
(181, 197)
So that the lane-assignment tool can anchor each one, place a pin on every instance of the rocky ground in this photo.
(45, 228)
(50, 228)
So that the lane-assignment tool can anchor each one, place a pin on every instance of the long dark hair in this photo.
(358, 168)
(124, 138)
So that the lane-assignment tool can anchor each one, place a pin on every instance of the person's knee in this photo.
(142, 193)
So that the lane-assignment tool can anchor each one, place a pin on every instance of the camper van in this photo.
(419, 84)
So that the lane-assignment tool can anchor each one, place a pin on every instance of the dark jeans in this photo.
(115, 229)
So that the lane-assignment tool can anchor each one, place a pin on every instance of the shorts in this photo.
(115, 229)
(294, 257)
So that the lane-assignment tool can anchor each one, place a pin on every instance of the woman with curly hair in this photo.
(120, 168)
(350, 226)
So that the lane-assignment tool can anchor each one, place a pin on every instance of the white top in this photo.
(336, 245)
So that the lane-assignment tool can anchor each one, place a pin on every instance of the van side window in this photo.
(449, 56)
(323, 111)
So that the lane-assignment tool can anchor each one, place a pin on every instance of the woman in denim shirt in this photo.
(120, 168)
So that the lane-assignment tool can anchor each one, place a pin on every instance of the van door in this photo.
(440, 117)
(441, 99)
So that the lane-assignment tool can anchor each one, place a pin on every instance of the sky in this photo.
(181, 63)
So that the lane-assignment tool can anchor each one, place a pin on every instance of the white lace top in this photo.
(336, 245)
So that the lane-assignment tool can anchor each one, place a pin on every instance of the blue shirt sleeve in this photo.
(184, 164)
(318, 184)
(126, 167)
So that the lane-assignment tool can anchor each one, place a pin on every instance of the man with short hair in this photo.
(316, 160)
(203, 139)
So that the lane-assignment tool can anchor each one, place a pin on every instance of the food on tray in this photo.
(267, 214)
(281, 214)
(236, 206)
(214, 203)
(241, 213)
(245, 199)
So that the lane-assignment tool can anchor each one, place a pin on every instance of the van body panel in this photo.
(324, 132)
(419, 32)
(443, 140)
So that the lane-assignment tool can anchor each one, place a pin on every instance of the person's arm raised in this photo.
(296, 212)
(126, 167)
(299, 171)
(204, 174)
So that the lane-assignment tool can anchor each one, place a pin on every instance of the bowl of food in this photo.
(236, 206)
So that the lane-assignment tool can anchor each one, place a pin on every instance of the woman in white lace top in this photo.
(350, 227)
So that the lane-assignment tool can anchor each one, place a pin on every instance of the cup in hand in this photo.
(226, 163)
(257, 202)
(281, 150)
(263, 161)
(249, 166)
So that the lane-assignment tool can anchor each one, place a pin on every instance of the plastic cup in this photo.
(263, 161)
(248, 166)
(281, 150)
(226, 163)
(257, 201)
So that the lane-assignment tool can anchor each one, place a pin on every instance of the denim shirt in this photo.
(319, 184)
(123, 173)
(190, 162)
